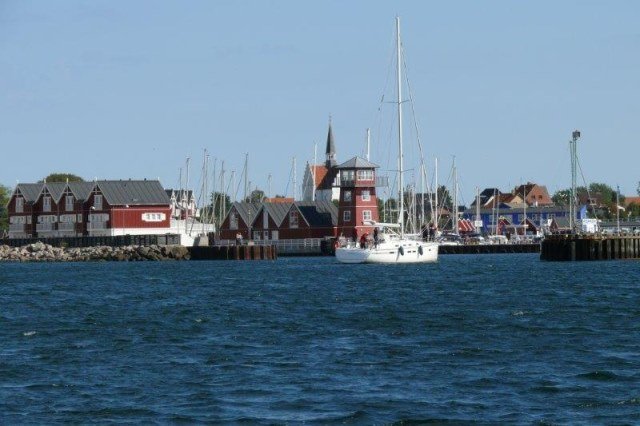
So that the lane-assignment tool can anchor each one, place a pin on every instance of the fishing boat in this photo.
(391, 244)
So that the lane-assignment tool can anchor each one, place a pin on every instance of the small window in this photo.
(347, 195)
(97, 202)
(46, 204)
(293, 219)
(19, 205)
(346, 216)
(366, 195)
(233, 221)
(366, 215)
(69, 203)
(365, 174)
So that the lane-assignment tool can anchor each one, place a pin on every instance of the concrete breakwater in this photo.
(40, 252)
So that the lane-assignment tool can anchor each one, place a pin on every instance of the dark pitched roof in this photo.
(133, 192)
(247, 211)
(490, 192)
(278, 211)
(30, 191)
(318, 213)
(81, 190)
(357, 163)
(56, 189)
(177, 192)
(561, 222)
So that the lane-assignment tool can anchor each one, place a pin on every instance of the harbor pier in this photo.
(577, 247)
(238, 252)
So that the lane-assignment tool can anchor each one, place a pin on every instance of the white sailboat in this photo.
(392, 245)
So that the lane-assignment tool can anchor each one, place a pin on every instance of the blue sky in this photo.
(120, 89)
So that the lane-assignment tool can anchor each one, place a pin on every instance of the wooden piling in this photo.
(243, 252)
(590, 247)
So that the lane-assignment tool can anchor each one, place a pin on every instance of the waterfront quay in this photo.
(489, 248)
(578, 247)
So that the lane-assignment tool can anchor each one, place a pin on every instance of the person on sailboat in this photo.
(375, 237)
(363, 240)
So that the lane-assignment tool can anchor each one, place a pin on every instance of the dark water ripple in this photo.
(488, 339)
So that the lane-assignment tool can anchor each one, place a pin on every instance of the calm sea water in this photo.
(487, 338)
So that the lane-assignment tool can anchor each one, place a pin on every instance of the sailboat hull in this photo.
(405, 252)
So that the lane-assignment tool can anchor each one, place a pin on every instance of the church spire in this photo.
(331, 148)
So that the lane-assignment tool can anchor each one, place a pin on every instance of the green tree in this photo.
(389, 211)
(256, 196)
(444, 198)
(633, 210)
(607, 194)
(5, 193)
(62, 177)
(562, 196)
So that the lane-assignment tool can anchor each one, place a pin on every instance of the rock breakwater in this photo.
(40, 252)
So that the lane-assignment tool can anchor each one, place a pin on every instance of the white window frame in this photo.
(68, 201)
(46, 203)
(153, 217)
(366, 195)
(97, 201)
(19, 205)
(294, 219)
(365, 175)
(366, 214)
(233, 221)
(346, 216)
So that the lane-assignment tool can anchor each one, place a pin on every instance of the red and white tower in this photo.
(358, 205)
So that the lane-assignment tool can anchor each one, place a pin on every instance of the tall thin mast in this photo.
(234, 191)
(205, 177)
(295, 182)
(313, 171)
(223, 196)
(186, 215)
(246, 175)
(368, 143)
(524, 195)
(477, 203)
(213, 195)
(437, 214)
(618, 208)
(399, 75)
(455, 198)
(574, 165)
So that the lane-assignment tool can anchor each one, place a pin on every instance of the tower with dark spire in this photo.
(323, 176)
(331, 149)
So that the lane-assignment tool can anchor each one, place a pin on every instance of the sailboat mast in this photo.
(400, 182)
(456, 228)
(368, 143)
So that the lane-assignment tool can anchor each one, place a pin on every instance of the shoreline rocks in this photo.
(40, 252)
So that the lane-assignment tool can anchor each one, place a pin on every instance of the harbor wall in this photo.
(590, 247)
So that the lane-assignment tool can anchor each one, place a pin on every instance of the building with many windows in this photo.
(98, 208)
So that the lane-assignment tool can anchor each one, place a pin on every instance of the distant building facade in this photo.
(273, 221)
(99, 208)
